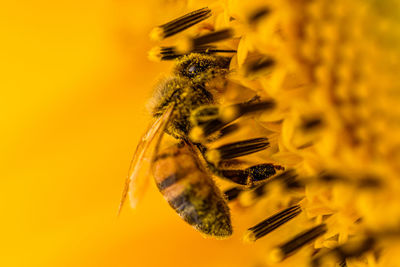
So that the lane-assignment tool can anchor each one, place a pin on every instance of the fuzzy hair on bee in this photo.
(186, 107)
(188, 89)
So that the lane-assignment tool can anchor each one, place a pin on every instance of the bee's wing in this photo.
(139, 170)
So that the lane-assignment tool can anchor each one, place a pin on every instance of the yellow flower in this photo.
(331, 67)
(338, 97)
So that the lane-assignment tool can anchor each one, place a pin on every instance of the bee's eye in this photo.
(192, 69)
(194, 65)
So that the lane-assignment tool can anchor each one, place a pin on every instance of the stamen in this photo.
(288, 179)
(350, 249)
(212, 37)
(259, 191)
(258, 15)
(229, 113)
(239, 149)
(268, 225)
(204, 114)
(233, 193)
(201, 43)
(212, 126)
(180, 24)
(196, 134)
(163, 53)
(228, 130)
(258, 65)
(213, 156)
(286, 249)
(233, 112)
(367, 182)
(252, 107)
(311, 124)
(330, 177)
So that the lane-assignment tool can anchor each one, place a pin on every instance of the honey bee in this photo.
(186, 107)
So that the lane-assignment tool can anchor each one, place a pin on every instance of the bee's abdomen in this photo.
(191, 191)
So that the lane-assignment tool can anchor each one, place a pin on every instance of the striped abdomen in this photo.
(188, 188)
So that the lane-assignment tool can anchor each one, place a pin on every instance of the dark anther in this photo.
(272, 223)
(212, 37)
(232, 193)
(180, 24)
(299, 241)
(259, 14)
(260, 64)
(311, 124)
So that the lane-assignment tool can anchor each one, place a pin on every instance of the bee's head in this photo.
(202, 67)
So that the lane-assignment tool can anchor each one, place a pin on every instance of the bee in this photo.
(186, 107)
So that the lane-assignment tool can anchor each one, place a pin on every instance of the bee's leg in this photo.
(207, 120)
(288, 178)
(211, 119)
(249, 177)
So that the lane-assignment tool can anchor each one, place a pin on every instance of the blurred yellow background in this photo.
(75, 79)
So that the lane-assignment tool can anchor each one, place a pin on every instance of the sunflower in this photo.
(330, 67)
